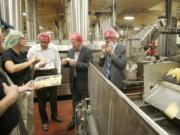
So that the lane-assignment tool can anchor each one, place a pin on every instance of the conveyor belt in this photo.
(166, 97)
(170, 126)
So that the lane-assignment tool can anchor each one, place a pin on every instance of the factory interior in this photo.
(148, 103)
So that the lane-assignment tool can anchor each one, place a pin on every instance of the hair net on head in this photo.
(44, 37)
(12, 39)
(111, 33)
(76, 37)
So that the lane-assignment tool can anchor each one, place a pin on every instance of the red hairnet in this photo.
(76, 37)
(111, 33)
(44, 37)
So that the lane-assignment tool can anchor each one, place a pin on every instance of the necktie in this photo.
(76, 55)
(108, 65)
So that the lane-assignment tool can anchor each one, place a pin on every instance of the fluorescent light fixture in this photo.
(136, 28)
(129, 17)
(24, 14)
(41, 28)
(121, 32)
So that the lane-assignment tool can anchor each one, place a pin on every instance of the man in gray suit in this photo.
(113, 58)
(77, 60)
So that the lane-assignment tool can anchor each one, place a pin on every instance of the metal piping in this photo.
(79, 15)
(31, 19)
(110, 105)
(169, 13)
(114, 15)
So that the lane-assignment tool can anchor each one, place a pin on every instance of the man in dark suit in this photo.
(77, 60)
(113, 58)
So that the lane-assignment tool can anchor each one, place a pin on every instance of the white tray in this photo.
(48, 81)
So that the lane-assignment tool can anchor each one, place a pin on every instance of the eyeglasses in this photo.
(44, 42)
(107, 38)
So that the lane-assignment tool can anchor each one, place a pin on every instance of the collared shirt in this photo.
(114, 47)
(76, 56)
(50, 56)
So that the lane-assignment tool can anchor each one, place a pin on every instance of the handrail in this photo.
(114, 112)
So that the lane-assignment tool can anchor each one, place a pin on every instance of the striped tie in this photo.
(108, 65)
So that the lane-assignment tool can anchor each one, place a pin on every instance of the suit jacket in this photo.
(118, 64)
(81, 67)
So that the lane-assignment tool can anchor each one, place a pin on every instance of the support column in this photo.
(11, 11)
(113, 14)
(79, 17)
(170, 45)
(68, 26)
(167, 46)
(31, 19)
(169, 13)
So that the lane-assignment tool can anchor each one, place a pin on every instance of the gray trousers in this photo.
(26, 104)
(15, 131)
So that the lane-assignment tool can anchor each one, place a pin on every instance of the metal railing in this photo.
(114, 113)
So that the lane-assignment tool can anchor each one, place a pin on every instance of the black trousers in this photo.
(78, 94)
(42, 95)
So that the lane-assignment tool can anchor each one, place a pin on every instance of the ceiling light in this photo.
(121, 32)
(41, 28)
(24, 14)
(136, 28)
(129, 17)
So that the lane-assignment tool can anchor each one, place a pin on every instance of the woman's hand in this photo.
(34, 60)
(29, 86)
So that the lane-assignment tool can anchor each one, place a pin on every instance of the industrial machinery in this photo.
(83, 112)
(135, 49)
(135, 44)
(160, 93)
(114, 113)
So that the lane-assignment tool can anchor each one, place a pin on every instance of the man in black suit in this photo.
(77, 60)
(113, 58)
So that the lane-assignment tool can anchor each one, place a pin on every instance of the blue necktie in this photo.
(108, 65)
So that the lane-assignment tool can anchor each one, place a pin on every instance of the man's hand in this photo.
(109, 50)
(72, 62)
(11, 91)
(65, 61)
(42, 64)
(103, 49)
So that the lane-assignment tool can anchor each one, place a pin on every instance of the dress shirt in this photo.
(113, 48)
(76, 56)
(50, 56)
